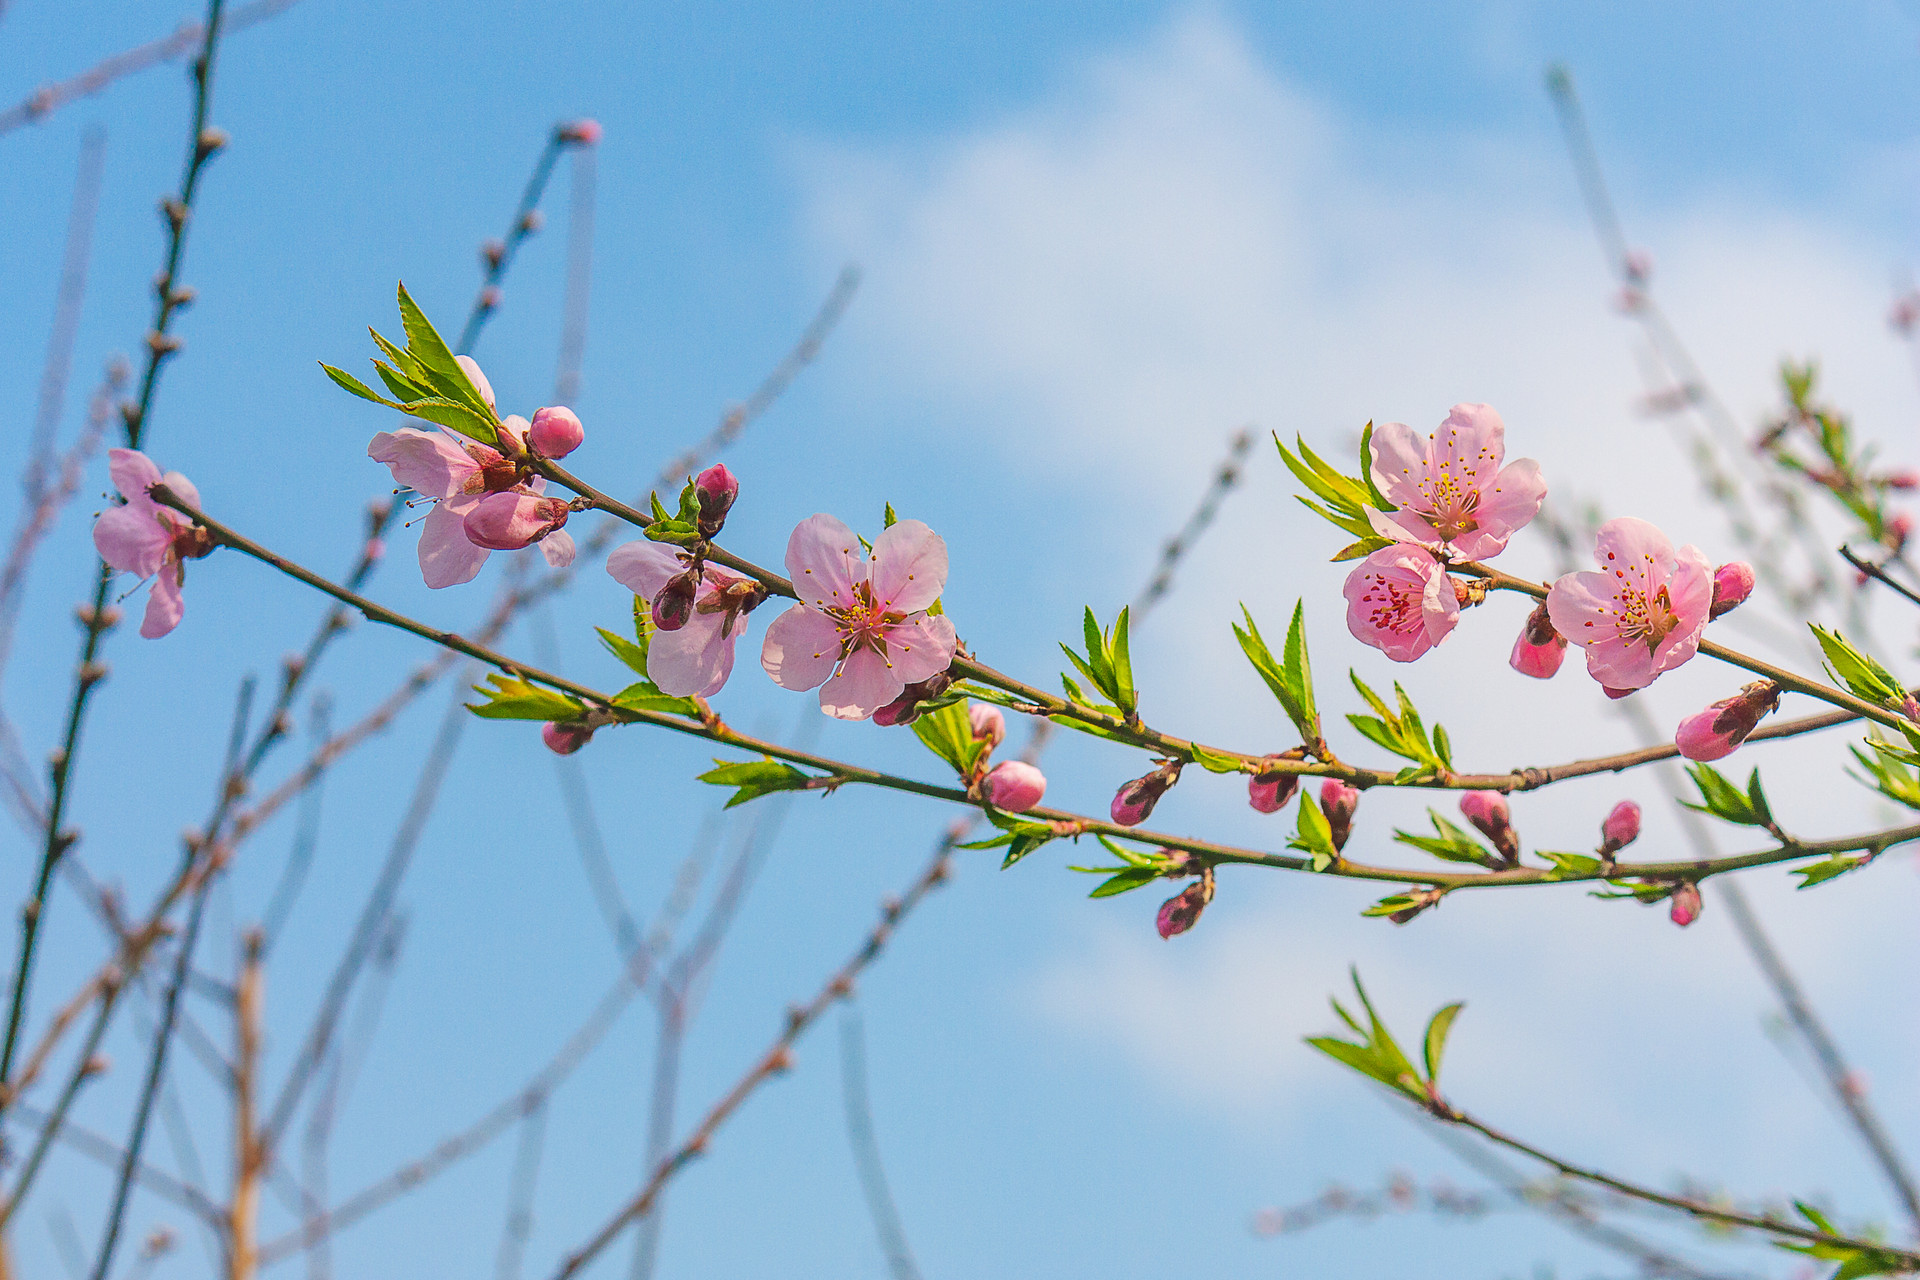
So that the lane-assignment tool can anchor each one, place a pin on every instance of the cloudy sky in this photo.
(1096, 241)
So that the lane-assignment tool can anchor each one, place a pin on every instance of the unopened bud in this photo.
(556, 432)
(989, 725)
(1269, 792)
(1637, 266)
(1338, 801)
(1617, 694)
(583, 133)
(1016, 786)
(1686, 904)
(490, 297)
(1715, 732)
(904, 709)
(1732, 584)
(715, 489)
(1182, 911)
(1134, 802)
(1899, 529)
(1488, 811)
(564, 739)
(98, 1065)
(1621, 828)
(531, 221)
(674, 603)
(211, 140)
(492, 253)
(1903, 480)
(1540, 649)
(511, 520)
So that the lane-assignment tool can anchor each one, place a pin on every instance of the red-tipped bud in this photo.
(1686, 904)
(1540, 649)
(564, 739)
(1182, 911)
(1269, 792)
(904, 709)
(585, 133)
(1732, 584)
(1899, 529)
(714, 489)
(556, 432)
(1015, 785)
(1903, 480)
(1133, 803)
(989, 726)
(491, 254)
(1338, 801)
(673, 604)
(1715, 732)
(511, 520)
(1617, 694)
(1488, 811)
(1621, 828)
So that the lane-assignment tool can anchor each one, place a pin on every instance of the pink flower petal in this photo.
(801, 649)
(182, 489)
(694, 661)
(558, 548)
(1469, 448)
(1400, 601)
(164, 605)
(909, 567)
(477, 378)
(865, 684)
(512, 520)
(133, 474)
(643, 567)
(132, 539)
(1508, 505)
(1399, 462)
(824, 560)
(921, 646)
(427, 461)
(1404, 525)
(447, 559)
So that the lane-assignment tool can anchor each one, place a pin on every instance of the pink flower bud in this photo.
(1269, 792)
(1621, 828)
(673, 605)
(1617, 694)
(904, 709)
(1338, 801)
(585, 133)
(1488, 811)
(564, 739)
(989, 726)
(556, 432)
(1133, 803)
(1732, 584)
(714, 489)
(1015, 785)
(1715, 732)
(1539, 649)
(491, 254)
(1182, 911)
(1903, 480)
(1686, 904)
(512, 520)
(1899, 529)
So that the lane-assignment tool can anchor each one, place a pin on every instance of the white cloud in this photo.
(1179, 241)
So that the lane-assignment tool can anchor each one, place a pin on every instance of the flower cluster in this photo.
(142, 537)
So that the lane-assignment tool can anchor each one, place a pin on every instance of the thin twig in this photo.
(866, 1148)
(526, 1170)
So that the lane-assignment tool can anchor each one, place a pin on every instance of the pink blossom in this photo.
(1451, 489)
(1539, 649)
(860, 633)
(1732, 584)
(455, 474)
(1488, 811)
(1339, 802)
(1401, 601)
(1133, 803)
(696, 659)
(1716, 732)
(1643, 611)
(144, 538)
(988, 723)
(1621, 828)
(519, 518)
(564, 739)
(715, 490)
(1686, 904)
(555, 431)
(1015, 785)
(1182, 911)
(1269, 792)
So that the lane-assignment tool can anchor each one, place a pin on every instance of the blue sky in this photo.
(1096, 240)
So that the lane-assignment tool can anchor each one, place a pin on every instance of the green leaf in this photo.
(1856, 670)
(1568, 865)
(425, 345)
(354, 386)
(1131, 878)
(624, 649)
(948, 733)
(1366, 471)
(403, 389)
(511, 698)
(1121, 659)
(1721, 798)
(1437, 1028)
(1827, 868)
(1360, 1057)
(1359, 550)
(645, 695)
(889, 519)
(1451, 843)
(1290, 681)
(1214, 761)
(1757, 801)
(756, 778)
(1314, 834)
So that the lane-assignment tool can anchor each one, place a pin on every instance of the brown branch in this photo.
(243, 1212)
